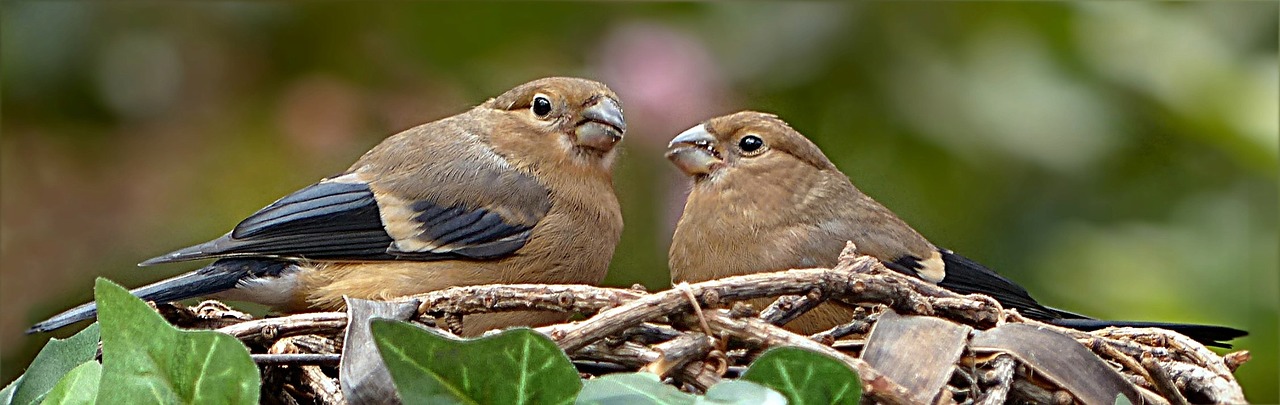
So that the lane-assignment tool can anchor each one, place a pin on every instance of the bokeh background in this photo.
(1118, 159)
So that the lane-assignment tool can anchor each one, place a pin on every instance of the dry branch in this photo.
(632, 329)
(1001, 378)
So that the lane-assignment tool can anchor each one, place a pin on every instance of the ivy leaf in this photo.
(146, 360)
(741, 392)
(6, 394)
(80, 386)
(646, 388)
(57, 358)
(632, 388)
(806, 377)
(517, 366)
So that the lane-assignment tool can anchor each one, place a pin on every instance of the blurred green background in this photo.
(1118, 159)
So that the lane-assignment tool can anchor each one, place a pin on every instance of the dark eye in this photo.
(541, 106)
(750, 143)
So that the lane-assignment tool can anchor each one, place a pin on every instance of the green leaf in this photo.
(806, 377)
(744, 392)
(6, 394)
(80, 386)
(632, 389)
(147, 361)
(1122, 400)
(518, 366)
(645, 388)
(57, 358)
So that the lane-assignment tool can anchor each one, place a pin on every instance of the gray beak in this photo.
(694, 152)
(602, 126)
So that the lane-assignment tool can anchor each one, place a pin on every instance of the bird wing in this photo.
(966, 276)
(342, 221)
(414, 197)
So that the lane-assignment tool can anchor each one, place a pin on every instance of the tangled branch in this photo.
(630, 329)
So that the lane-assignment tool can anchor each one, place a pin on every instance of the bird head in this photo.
(582, 117)
(745, 141)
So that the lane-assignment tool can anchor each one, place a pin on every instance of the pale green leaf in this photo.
(632, 389)
(57, 358)
(742, 392)
(1122, 400)
(6, 394)
(645, 388)
(78, 387)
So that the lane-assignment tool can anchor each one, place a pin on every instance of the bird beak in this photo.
(694, 152)
(602, 125)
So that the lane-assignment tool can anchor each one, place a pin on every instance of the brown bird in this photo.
(516, 190)
(764, 198)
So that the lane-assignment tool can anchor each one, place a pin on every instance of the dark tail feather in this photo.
(968, 277)
(1208, 335)
(219, 276)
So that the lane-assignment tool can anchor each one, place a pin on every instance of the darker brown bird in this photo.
(516, 190)
(765, 198)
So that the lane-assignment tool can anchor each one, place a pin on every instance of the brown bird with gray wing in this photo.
(765, 198)
(516, 190)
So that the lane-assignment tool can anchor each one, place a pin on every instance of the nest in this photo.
(911, 341)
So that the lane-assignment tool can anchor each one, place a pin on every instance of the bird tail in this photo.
(220, 276)
(968, 277)
(1208, 335)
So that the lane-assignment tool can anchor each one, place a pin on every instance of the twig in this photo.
(1202, 385)
(1001, 377)
(712, 294)
(861, 325)
(679, 352)
(693, 302)
(597, 368)
(636, 356)
(274, 328)
(1104, 348)
(628, 354)
(208, 314)
(648, 333)
(1033, 393)
(789, 307)
(1181, 345)
(296, 359)
(326, 389)
(754, 331)
(912, 296)
(1204, 374)
(1234, 360)
(624, 323)
(516, 297)
(1162, 381)
(323, 389)
(858, 282)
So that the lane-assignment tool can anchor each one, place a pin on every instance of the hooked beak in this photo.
(602, 125)
(694, 152)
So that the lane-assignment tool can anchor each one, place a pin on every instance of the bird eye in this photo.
(541, 105)
(750, 143)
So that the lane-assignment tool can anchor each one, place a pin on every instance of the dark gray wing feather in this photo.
(966, 276)
(222, 275)
(341, 221)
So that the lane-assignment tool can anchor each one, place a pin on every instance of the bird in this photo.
(765, 198)
(518, 189)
